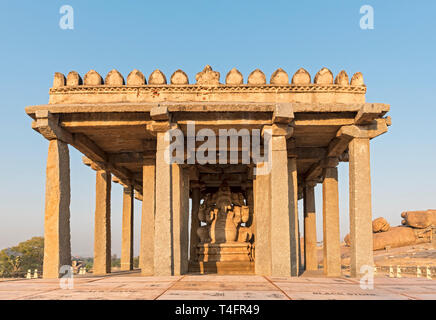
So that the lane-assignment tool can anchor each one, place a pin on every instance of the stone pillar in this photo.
(262, 208)
(310, 251)
(360, 205)
(195, 222)
(127, 229)
(331, 237)
(102, 233)
(163, 233)
(293, 216)
(180, 222)
(146, 255)
(57, 246)
(281, 215)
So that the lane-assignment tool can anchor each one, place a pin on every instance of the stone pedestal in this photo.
(331, 236)
(102, 233)
(57, 246)
(127, 230)
(229, 251)
(360, 206)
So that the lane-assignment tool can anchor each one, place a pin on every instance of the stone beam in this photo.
(192, 106)
(339, 145)
(369, 112)
(47, 124)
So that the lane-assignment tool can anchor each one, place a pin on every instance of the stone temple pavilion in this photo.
(212, 216)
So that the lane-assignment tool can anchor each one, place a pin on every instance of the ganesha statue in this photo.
(223, 213)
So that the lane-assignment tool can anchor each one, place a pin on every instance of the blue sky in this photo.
(397, 59)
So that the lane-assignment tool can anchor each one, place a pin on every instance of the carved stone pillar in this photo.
(293, 216)
(102, 233)
(163, 233)
(180, 221)
(127, 229)
(146, 255)
(360, 206)
(57, 246)
(331, 236)
(262, 208)
(282, 209)
(310, 251)
(195, 222)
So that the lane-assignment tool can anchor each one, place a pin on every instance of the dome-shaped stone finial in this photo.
(114, 78)
(74, 79)
(357, 79)
(324, 76)
(208, 76)
(179, 77)
(279, 77)
(135, 78)
(301, 77)
(59, 80)
(342, 78)
(256, 77)
(157, 77)
(234, 77)
(92, 78)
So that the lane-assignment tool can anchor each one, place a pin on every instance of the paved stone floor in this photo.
(239, 287)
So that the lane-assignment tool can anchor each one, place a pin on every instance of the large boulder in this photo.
(380, 225)
(395, 237)
(432, 213)
(417, 219)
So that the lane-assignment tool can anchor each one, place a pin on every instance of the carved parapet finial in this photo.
(279, 77)
(92, 78)
(114, 78)
(256, 77)
(179, 77)
(157, 77)
(342, 79)
(324, 76)
(135, 78)
(357, 79)
(208, 76)
(74, 79)
(234, 77)
(59, 80)
(301, 77)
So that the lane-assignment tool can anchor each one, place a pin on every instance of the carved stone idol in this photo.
(223, 213)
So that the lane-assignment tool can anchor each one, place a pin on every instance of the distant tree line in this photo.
(29, 255)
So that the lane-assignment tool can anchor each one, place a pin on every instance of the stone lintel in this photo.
(195, 106)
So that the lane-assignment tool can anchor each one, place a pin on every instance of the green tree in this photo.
(15, 261)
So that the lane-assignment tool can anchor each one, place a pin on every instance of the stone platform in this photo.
(207, 287)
